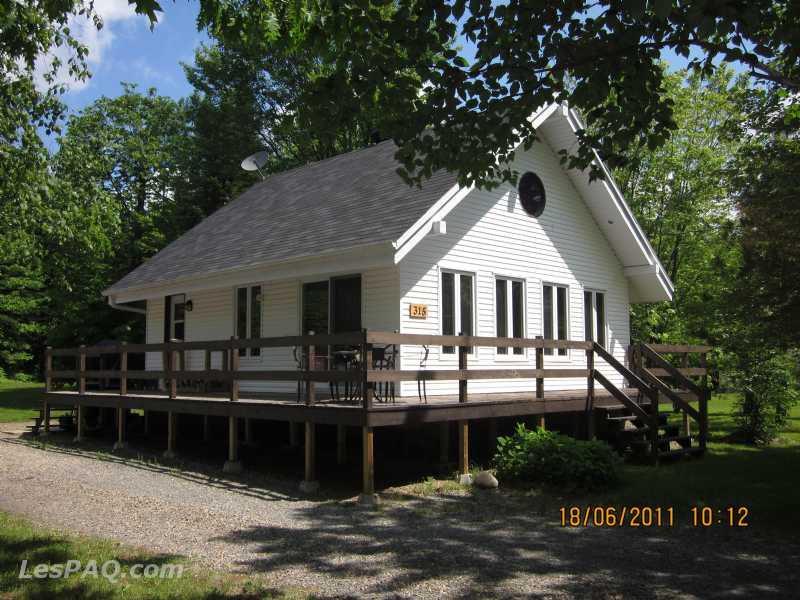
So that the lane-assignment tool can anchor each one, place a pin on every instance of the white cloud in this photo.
(114, 14)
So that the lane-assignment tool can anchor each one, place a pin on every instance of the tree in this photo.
(449, 112)
(681, 197)
(130, 150)
(766, 184)
(242, 103)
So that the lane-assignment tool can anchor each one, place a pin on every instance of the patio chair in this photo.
(384, 358)
(422, 389)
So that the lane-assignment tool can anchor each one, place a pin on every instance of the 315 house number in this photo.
(418, 311)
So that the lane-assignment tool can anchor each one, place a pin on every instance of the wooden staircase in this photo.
(630, 436)
(636, 427)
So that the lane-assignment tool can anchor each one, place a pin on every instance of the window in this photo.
(554, 315)
(509, 311)
(248, 317)
(457, 306)
(594, 317)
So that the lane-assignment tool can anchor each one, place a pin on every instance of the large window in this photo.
(458, 306)
(555, 325)
(509, 311)
(248, 317)
(594, 317)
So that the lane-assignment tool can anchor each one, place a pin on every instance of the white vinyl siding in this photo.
(490, 235)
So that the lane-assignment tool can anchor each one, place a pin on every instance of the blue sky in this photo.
(127, 50)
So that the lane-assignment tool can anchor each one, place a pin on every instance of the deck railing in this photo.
(646, 371)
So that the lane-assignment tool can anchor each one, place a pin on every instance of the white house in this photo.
(344, 244)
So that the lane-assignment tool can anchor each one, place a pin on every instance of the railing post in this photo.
(463, 426)
(590, 416)
(540, 366)
(81, 393)
(206, 368)
(702, 404)
(654, 424)
(82, 370)
(123, 370)
(368, 391)
(234, 367)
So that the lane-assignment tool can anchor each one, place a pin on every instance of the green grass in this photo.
(762, 479)
(19, 401)
(20, 539)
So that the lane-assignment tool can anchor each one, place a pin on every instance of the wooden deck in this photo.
(327, 411)
(316, 374)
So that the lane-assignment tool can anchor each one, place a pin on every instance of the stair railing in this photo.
(681, 378)
(634, 380)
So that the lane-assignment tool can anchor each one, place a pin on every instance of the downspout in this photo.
(115, 306)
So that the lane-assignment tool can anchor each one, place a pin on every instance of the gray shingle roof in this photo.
(349, 200)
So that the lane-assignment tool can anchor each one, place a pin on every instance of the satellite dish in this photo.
(531, 194)
(254, 162)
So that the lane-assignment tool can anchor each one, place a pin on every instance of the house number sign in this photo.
(418, 311)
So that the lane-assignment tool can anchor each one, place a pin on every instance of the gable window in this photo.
(458, 305)
(594, 317)
(248, 317)
(509, 311)
(554, 315)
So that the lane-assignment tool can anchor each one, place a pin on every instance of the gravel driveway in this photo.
(478, 546)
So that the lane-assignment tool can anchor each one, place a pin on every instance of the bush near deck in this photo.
(540, 456)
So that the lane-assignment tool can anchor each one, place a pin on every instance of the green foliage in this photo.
(769, 386)
(682, 200)
(468, 116)
(766, 184)
(540, 456)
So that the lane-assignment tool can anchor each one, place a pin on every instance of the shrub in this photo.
(768, 395)
(539, 456)
(23, 378)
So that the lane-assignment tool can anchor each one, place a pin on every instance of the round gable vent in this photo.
(531, 194)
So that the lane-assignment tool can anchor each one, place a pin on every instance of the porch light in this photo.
(188, 306)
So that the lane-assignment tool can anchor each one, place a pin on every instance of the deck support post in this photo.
(248, 432)
(232, 465)
(341, 444)
(368, 496)
(463, 453)
(310, 484)
(463, 426)
(590, 413)
(444, 443)
(122, 414)
(78, 423)
(206, 429)
(171, 427)
(540, 422)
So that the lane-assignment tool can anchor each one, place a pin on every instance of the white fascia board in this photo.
(417, 232)
(340, 262)
(625, 212)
